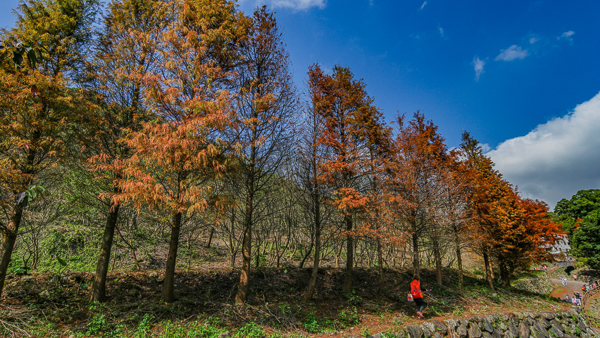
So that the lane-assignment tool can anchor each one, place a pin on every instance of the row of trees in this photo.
(580, 217)
(183, 112)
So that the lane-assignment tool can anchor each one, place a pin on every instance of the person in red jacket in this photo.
(416, 291)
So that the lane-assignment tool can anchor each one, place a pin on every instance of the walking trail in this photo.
(571, 287)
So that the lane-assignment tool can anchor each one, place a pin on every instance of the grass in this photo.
(275, 308)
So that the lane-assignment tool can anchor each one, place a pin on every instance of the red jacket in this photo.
(415, 289)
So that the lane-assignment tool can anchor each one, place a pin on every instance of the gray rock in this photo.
(545, 323)
(519, 315)
(474, 331)
(592, 332)
(537, 334)
(573, 328)
(502, 325)
(398, 320)
(426, 332)
(439, 327)
(414, 331)
(492, 318)
(462, 330)
(224, 335)
(488, 326)
(582, 326)
(377, 335)
(429, 326)
(497, 334)
(556, 324)
(548, 315)
(556, 332)
(503, 317)
(450, 324)
(524, 330)
(437, 335)
(403, 333)
(539, 328)
(486, 335)
(509, 335)
(512, 328)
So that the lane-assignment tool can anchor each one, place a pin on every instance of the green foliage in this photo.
(98, 324)
(208, 329)
(578, 207)
(353, 298)
(586, 239)
(17, 266)
(143, 329)
(349, 316)
(250, 330)
(312, 325)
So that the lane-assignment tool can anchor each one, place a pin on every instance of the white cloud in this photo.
(423, 5)
(512, 53)
(441, 31)
(478, 66)
(557, 158)
(533, 40)
(568, 35)
(296, 4)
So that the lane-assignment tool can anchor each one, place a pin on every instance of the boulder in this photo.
(474, 331)
(556, 332)
(414, 331)
(439, 327)
(426, 332)
(524, 330)
(462, 330)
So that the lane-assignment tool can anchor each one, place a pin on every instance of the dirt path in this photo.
(560, 291)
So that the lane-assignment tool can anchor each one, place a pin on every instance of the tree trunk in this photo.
(415, 242)
(244, 286)
(312, 284)
(10, 237)
(210, 236)
(458, 259)
(310, 248)
(98, 292)
(504, 275)
(488, 273)
(168, 294)
(437, 256)
(349, 257)
(380, 264)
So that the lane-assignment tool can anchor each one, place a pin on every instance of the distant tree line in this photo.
(175, 124)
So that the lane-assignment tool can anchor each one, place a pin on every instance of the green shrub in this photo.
(250, 330)
(349, 316)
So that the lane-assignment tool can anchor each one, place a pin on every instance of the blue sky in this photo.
(510, 72)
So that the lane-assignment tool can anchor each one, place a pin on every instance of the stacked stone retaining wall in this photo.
(568, 324)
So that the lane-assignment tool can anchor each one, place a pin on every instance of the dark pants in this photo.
(420, 303)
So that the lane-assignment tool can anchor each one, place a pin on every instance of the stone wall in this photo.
(568, 324)
(541, 285)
